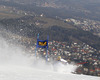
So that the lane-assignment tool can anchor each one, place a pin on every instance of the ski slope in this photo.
(27, 73)
(16, 65)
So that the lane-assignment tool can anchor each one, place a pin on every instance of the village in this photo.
(84, 56)
(86, 24)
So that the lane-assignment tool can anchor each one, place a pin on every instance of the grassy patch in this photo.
(8, 12)
(51, 22)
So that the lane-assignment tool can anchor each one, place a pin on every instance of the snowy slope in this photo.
(17, 66)
(27, 73)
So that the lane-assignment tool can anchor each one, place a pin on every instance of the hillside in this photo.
(63, 8)
(16, 18)
(30, 26)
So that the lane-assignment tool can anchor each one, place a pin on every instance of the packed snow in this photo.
(15, 64)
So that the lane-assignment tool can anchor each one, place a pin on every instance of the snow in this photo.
(14, 65)
(27, 73)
